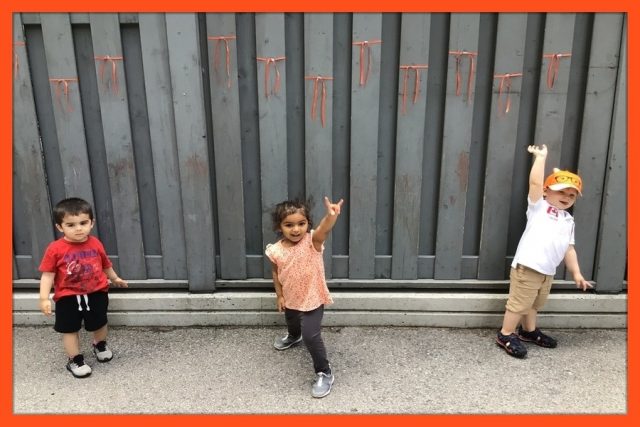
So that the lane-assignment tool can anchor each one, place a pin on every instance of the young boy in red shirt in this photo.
(77, 267)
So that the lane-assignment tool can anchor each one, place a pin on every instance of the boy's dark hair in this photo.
(288, 207)
(71, 206)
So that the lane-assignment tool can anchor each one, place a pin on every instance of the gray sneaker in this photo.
(77, 367)
(322, 386)
(286, 342)
(102, 352)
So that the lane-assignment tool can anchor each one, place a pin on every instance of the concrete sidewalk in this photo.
(379, 370)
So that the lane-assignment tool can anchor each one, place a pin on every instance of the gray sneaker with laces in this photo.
(102, 352)
(285, 342)
(322, 386)
(77, 367)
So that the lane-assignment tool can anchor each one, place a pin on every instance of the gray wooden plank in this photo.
(21, 236)
(294, 35)
(558, 37)
(387, 123)
(250, 133)
(107, 48)
(596, 125)
(529, 88)
(164, 150)
(191, 139)
(482, 95)
(29, 180)
(365, 110)
(44, 111)
(612, 249)
(14, 269)
(94, 135)
(139, 117)
(318, 47)
(463, 38)
(414, 54)
(341, 133)
(432, 151)
(552, 101)
(154, 266)
(272, 97)
(24, 267)
(61, 65)
(508, 69)
(227, 145)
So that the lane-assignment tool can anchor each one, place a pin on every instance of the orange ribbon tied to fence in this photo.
(317, 82)
(16, 59)
(267, 73)
(62, 88)
(104, 60)
(405, 78)
(505, 86)
(459, 54)
(216, 55)
(365, 50)
(554, 67)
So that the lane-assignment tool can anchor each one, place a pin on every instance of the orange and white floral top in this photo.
(301, 272)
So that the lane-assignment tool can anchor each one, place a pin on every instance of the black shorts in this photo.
(70, 311)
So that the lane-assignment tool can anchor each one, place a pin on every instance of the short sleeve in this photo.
(48, 263)
(106, 262)
(269, 252)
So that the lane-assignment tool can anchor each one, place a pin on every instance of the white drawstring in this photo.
(86, 302)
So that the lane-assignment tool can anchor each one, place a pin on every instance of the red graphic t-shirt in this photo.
(78, 267)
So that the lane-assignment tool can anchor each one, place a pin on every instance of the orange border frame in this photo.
(6, 357)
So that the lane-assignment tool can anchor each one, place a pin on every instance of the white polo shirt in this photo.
(546, 238)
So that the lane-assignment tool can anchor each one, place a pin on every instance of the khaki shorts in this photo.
(528, 289)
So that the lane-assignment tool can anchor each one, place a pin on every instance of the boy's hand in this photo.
(333, 208)
(120, 283)
(538, 150)
(45, 306)
(581, 283)
(280, 304)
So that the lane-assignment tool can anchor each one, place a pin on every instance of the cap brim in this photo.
(558, 187)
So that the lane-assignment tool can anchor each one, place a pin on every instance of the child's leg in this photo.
(530, 317)
(510, 322)
(312, 337)
(100, 334)
(71, 343)
(292, 317)
(529, 320)
(524, 286)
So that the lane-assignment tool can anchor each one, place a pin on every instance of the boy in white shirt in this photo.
(547, 239)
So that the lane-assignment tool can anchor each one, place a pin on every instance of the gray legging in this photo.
(308, 323)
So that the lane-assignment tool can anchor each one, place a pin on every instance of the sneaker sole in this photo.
(509, 352)
(78, 376)
(536, 342)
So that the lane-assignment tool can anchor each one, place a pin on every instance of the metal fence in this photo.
(184, 130)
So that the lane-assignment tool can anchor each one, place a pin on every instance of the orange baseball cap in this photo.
(560, 179)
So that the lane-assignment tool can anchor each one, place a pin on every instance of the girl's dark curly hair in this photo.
(288, 207)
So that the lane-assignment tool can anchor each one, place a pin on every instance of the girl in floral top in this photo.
(298, 277)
